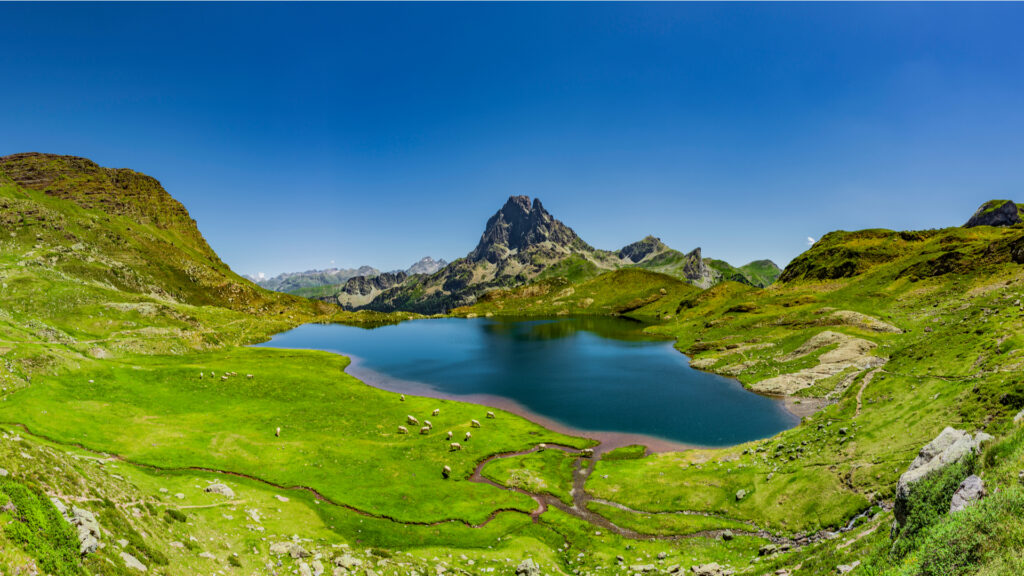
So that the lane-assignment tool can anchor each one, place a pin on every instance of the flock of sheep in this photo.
(410, 419)
(428, 426)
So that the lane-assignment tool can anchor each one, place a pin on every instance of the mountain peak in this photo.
(641, 249)
(520, 225)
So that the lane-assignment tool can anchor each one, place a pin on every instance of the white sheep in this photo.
(428, 424)
(435, 412)
(449, 434)
(474, 423)
(425, 430)
(249, 376)
(277, 432)
(403, 430)
(446, 472)
(468, 436)
(402, 398)
(455, 446)
(412, 420)
(490, 414)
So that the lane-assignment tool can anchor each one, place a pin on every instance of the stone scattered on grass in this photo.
(970, 491)
(221, 489)
(133, 562)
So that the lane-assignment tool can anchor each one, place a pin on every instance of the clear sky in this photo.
(315, 135)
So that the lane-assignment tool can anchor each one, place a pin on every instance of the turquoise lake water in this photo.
(599, 374)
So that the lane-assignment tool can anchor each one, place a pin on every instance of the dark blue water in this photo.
(599, 374)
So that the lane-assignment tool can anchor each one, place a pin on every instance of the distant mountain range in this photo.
(522, 242)
(313, 283)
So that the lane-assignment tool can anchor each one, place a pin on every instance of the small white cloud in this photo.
(810, 241)
(332, 261)
(261, 276)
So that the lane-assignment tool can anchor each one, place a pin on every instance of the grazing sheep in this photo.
(403, 430)
(490, 414)
(277, 432)
(435, 412)
(212, 373)
(587, 453)
(249, 376)
(412, 420)
(449, 434)
(446, 472)
(402, 398)
(474, 423)
(200, 375)
(428, 424)
(425, 430)
(468, 436)
(223, 377)
(455, 446)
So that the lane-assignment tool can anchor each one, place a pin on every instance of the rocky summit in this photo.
(520, 227)
(995, 213)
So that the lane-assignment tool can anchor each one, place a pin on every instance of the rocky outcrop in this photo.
(995, 213)
(290, 548)
(365, 285)
(85, 523)
(712, 569)
(528, 568)
(848, 352)
(970, 491)
(949, 447)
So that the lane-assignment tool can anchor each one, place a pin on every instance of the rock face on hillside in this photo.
(949, 447)
(995, 213)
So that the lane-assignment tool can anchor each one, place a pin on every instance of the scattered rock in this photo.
(643, 568)
(133, 562)
(767, 550)
(290, 548)
(88, 530)
(347, 562)
(712, 569)
(207, 555)
(318, 568)
(740, 494)
(727, 535)
(4, 473)
(847, 568)
(222, 489)
(281, 498)
(528, 568)
(970, 491)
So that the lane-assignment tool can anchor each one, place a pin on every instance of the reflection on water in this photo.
(588, 373)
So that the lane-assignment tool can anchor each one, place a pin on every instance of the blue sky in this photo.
(310, 135)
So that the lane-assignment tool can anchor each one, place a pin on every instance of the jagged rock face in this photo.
(363, 285)
(637, 251)
(697, 272)
(519, 226)
(995, 213)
